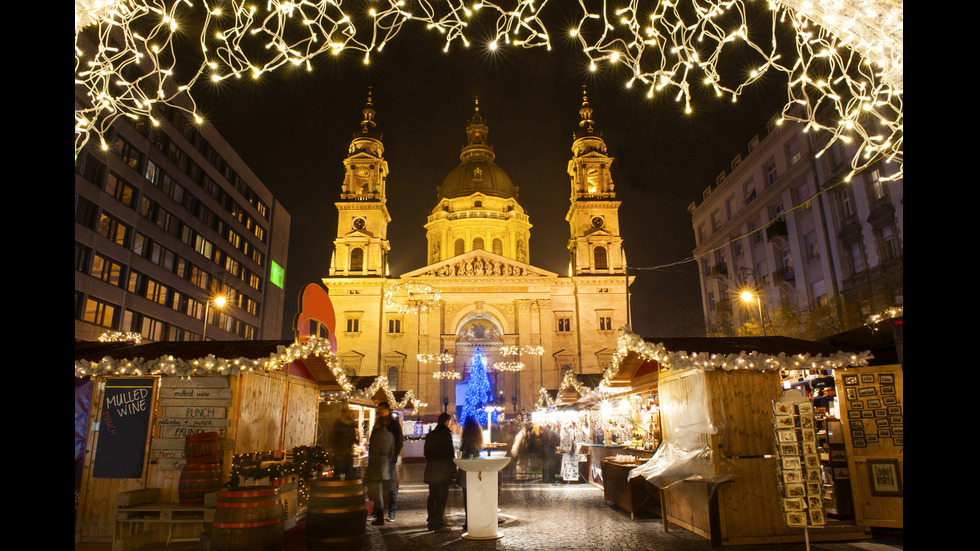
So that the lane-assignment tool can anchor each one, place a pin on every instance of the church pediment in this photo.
(480, 263)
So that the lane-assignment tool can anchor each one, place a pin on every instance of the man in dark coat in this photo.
(439, 471)
(395, 427)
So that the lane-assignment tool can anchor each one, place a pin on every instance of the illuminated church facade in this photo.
(478, 289)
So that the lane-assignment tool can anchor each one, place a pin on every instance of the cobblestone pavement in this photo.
(537, 517)
(574, 517)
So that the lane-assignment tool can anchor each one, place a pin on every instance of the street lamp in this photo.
(219, 301)
(748, 297)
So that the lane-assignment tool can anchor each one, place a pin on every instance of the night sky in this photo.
(293, 130)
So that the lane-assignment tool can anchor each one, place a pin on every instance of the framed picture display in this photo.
(885, 478)
(799, 466)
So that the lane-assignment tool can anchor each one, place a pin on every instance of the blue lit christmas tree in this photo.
(477, 393)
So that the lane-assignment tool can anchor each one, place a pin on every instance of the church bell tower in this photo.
(595, 245)
(361, 247)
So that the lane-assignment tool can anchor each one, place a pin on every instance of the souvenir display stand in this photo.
(872, 410)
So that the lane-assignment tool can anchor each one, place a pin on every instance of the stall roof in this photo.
(94, 351)
(763, 345)
(315, 367)
(884, 341)
(634, 371)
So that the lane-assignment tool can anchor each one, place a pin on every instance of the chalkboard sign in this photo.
(123, 425)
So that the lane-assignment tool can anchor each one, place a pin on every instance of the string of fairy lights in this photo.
(627, 343)
(845, 56)
(682, 360)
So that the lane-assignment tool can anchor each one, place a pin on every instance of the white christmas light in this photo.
(848, 53)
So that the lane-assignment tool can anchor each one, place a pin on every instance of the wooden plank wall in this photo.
(302, 403)
(740, 405)
(869, 509)
(677, 390)
(268, 412)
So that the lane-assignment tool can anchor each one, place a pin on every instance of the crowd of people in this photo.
(534, 448)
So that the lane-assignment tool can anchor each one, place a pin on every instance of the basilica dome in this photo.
(477, 176)
(477, 173)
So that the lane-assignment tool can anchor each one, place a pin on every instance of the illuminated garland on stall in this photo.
(848, 58)
(891, 313)
(211, 366)
(203, 367)
(121, 336)
(682, 361)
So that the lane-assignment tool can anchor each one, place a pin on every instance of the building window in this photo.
(605, 322)
(846, 202)
(875, 186)
(564, 324)
(769, 173)
(811, 245)
(889, 244)
(357, 260)
(498, 247)
(458, 247)
(114, 230)
(857, 257)
(599, 255)
(107, 270)
(120, 190)
(353, 324)
(748, 191)
(99, 313)
(793, 154)
(394, 325)
(393, 377)
(819, 293)
(129, 154)
(478, 244)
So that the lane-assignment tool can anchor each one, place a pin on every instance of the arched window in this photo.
(393, 378)
(458, 247)
(498, 247)
(599, 255)
(478, 243)
(357, 260)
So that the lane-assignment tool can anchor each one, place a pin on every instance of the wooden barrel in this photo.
(204, 447)
(248, 518)
(196, 480)
(335, 515)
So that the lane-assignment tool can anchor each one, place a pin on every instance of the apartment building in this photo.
(167, 219)
(815, 253)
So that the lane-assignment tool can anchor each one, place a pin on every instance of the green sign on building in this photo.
(277, 275)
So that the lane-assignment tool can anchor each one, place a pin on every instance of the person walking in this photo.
(395, 427)
(344, 438)
(549, 456)
(381, 448)
(439, 471)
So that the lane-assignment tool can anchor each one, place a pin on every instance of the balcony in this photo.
(783, 276)
(719, 270)
(777, 230)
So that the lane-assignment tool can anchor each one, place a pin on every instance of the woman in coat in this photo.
(381, 451)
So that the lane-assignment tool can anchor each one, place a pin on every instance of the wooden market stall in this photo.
(736, 489)
(134, 440)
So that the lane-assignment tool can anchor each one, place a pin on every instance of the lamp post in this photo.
(748, 297)
(219, 301)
